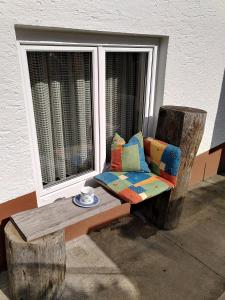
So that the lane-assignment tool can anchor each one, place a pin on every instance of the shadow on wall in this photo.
(219, 128)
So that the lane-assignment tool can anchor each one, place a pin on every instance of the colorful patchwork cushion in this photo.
(134, 187)
(130, 156)
(163, 158)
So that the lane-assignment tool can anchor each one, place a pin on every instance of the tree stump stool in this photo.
(37, 268)
(182, 127)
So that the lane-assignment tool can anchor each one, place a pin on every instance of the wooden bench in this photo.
(35, 245)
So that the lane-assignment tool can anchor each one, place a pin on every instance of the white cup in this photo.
(87, 194)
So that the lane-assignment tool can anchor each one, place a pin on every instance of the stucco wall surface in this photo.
(194, 72)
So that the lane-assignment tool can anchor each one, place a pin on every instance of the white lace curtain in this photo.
(125, 94)
(61, 92)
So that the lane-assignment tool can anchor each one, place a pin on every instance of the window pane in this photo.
(61, 84)
(125, 94)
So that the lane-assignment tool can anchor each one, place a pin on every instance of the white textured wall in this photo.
(194, 74)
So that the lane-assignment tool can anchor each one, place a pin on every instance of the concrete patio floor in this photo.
(131, 259)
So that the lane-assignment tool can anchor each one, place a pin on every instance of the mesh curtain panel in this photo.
(125, 94)
(61, 93)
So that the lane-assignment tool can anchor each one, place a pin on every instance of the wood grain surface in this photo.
(36, 269)
(62, 213)
(182, 127)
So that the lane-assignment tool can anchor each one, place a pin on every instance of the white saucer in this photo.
(78, 201)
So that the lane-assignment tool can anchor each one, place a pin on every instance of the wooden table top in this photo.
(38, 222)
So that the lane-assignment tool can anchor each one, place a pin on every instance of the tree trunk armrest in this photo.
(182, 127)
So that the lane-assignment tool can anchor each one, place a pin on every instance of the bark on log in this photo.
(182, 127)
(36, 269)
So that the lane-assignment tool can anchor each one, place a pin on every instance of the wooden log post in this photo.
(182, 127)
(36, 269)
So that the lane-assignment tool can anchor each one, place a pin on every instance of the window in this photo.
(77, 98)
(125, 86)
(61, 85)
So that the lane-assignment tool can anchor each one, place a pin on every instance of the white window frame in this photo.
(72, 186)
(149, 96)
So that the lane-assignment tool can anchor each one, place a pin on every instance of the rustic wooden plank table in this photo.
(35, 245)
(39, 222)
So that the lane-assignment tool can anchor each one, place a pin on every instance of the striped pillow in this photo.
(130, 156)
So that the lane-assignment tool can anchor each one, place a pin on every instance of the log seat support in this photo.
(37, 268)
(182, 127)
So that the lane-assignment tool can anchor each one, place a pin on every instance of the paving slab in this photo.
(201, 231)
(202, 197)
(216, 184)
(204, 238)
(217, 179)
(222, 297)
(159, 268)
(91, 274)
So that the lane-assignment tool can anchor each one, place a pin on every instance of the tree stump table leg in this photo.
(36, 269)
(182, 127)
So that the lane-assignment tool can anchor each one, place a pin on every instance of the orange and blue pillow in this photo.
(163, 158)
(134, 187)
(130, 156)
